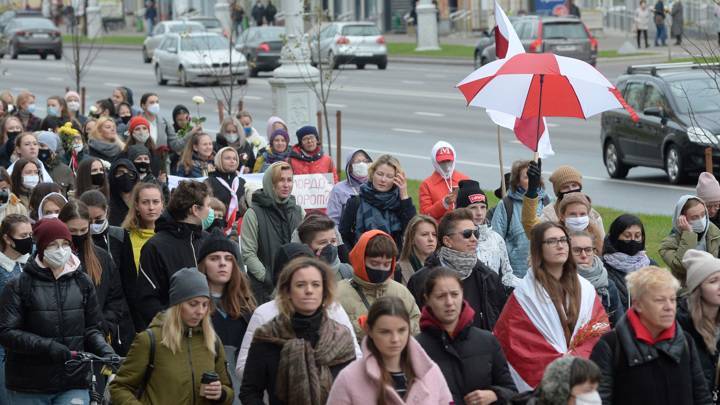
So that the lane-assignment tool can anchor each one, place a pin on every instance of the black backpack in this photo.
(509, 208)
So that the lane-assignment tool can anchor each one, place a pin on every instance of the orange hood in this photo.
(357, 254)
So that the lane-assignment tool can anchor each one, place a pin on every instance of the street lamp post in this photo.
(292, 96)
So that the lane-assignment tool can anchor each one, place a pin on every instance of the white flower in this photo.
(198, 100)
(93, 109)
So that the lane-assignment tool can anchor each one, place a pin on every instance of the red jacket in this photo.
(432, 192)
(303, 165)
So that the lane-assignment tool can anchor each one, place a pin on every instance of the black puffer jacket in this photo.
(174, 246)
(708, 361)
(483, 290)
(40, 315)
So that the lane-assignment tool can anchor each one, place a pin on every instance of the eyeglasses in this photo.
(556, 241)
(588, 250)
(467, 233)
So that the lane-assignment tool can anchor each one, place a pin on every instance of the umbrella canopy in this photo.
(542, 85)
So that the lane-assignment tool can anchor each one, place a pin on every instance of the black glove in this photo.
(534, 173)
(59, 353)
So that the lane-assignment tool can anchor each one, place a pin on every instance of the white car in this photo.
(355, 43)
(198, 58)
(167, 27)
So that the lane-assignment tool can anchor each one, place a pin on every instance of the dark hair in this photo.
(381, 246)
(617, 227)
(313, 224)
(106, 104)
(7, 227)
(144, 98)
(582, 371)
(390, 306)
(51, 124)
(187, 194)
(126, 104)
(5, 176)
(436, 273)
(17, 186)
(448, 221)
(38, 194)
(94, 198)
(564, 293)
(83, 181)
(76, 209)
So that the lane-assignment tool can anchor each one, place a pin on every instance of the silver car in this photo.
(167, 27)
(357, 43)
(198, 58)
(211, 24)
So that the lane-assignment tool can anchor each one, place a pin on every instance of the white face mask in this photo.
(78, 147)
(57, 257)
(55, 216)
(73, 106)
(31, 181)
(588, 398)
(699, 225)
(97, 229)
(577, 224)
(231, 137)
(141, 136)
(360, 169)
(154, 108)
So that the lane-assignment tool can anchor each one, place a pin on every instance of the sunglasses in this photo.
(467, 233)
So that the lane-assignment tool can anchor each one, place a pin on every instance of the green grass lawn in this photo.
(613, 53)
(109, 40)
(447, 51)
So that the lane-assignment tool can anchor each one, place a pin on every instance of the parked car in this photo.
(341, 43)
(198, 58)
(9, 15)
(679, 110)
(211, 24)
(31, 35)
(166, 27)
(261, 47)
(564, 36)
(486, 40)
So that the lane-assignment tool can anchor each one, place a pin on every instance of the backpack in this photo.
(509, 208)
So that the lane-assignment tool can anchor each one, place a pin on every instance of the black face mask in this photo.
(142, 167)
(97, 179)
(329, 254)
(564, 193)
(125, 119)
(23, 246)
(377, 276)
(629, 247)
(126, 182)
(218, 223)
(79, 241)
(13, 134)
(44, 155)
(4, 196)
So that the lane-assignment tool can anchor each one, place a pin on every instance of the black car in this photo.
(678, 106)
(261, 47)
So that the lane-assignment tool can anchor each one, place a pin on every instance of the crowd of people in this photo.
(225, 291)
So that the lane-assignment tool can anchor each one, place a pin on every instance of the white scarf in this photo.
(234, 204)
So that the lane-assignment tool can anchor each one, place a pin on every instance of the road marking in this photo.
(252, 98)
(55, 79)
(413, 82)
(429, 114)
(333, 105)
(111, 84)
(178, 91)
(435, 76)
(409, 131)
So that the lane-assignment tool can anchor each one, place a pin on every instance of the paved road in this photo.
(403, 110)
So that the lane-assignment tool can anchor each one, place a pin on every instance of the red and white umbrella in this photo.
(542, 85)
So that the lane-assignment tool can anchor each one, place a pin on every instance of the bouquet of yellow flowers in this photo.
(67, 134)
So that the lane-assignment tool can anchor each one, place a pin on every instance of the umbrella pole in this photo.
(536, 155)
(502, 168)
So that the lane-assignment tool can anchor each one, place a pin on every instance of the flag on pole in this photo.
(507, 44)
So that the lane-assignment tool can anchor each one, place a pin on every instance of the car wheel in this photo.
(182, 74)
(477, 61)
(331, 61)
(43, 56)
(360, 66)
(146, 58)
(382, 65)
(58, 56)
(13, 51)
(242, 82)
(159, 77)
(613, 163)
(674, 165)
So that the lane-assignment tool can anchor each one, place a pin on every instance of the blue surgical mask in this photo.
(53, 112)
(31, 108)
(208, 221)
(154, 108)
(248, 130)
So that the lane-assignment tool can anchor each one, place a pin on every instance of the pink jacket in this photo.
(357, 384)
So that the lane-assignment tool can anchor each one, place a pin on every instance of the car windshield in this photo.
(204, 43)
(563, 31)
(360, 30)
(194, 27)
(34, 23)
(271, 33)
(696, 95)
(210, 23)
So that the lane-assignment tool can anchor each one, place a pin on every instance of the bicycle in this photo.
(78, 359)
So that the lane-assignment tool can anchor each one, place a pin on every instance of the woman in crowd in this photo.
(624, 252)
(699, 312)
(161, 132)
(50, 205)
(122, 178)
(308, 157)
(438, 192)
(124, 112)
(104, 142)
(274, 123)
(356, 169)
(394, 368)
(139, 134)
(568, 380)
(49, 156)
(227, 185)
(25, 110)
(72, 99)
(91, 176)
(257, 141)
(647, 358)
(98, 264)
(219, 259)
(507, 218)
(450, 339)
(277, 150)
(232, 134)
(186, 349)
(104, 108)
(58, 108)
(591, 268)
(16, 244)
(420, 242)
(10, 128)
(88, 128)
(197, 158)
(24, 179)
(551, 298)
(37, 196)
(302, 331)
(691, 229)
(28, 147)
(383, 204)
(9, 202)
(48, 311)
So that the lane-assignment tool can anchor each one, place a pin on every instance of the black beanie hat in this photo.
(218, 242)
(286, 253)
(470, 193)
(306, 130)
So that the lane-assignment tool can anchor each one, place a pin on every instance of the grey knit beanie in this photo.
(555, 384)
(187, 283)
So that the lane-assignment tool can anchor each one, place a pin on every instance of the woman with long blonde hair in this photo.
(104, 142)
(189, 360)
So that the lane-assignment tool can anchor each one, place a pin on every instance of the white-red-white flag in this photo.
(507, 42)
